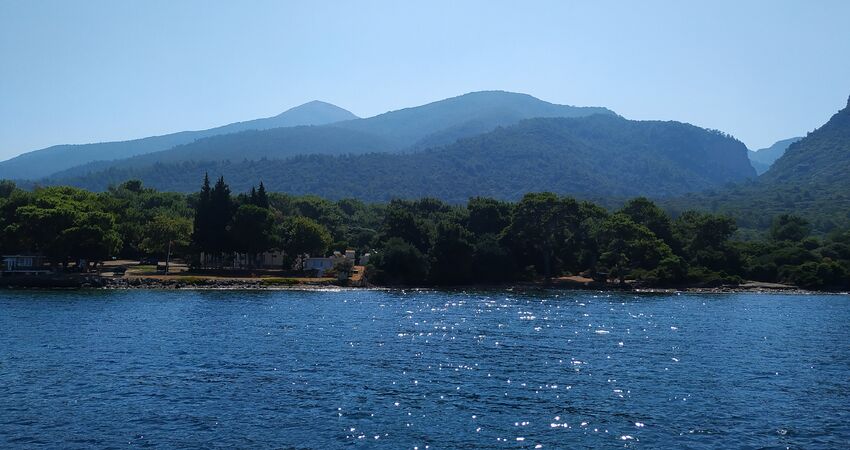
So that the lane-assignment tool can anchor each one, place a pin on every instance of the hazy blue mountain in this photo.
(445, 121)
(599, 155)
(759, 167)
(417, 128)
(762, 159)
(254, 145)
(44, 162)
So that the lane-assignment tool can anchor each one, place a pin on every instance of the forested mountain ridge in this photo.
(810, 179)
(445, 121)
(253, 145)
(600, 155)
(822, 156)
(416, 128)
(41, 163)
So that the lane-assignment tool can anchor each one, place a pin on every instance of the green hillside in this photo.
(594, 156)
(810, 179)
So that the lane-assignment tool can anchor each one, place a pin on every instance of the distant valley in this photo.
(810, 179)
(762, 159)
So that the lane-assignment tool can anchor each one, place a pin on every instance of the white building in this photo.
(272, 259)
(322, 265)
(23, 265)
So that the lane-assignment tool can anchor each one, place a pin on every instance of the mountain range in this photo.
(596, 155)
(492, 143)
(408, 129)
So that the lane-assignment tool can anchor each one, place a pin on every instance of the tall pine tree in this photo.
(221, 213)
(262, 198)
(202, 239)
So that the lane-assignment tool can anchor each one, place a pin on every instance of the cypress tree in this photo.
(262, 197)
(221, 210)
(201, 234)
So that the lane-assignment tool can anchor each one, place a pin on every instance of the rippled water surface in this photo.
(491, 369)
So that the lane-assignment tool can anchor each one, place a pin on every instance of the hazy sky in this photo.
(87, 71)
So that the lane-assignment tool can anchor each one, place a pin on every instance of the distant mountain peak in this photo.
(41, 163)
(444, 121)
(321, 107)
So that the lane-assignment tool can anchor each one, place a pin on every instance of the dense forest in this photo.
(425, 241)
(252, 145)
(600, 155)
(810, 179)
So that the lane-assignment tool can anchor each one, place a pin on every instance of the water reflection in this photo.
(424, 369)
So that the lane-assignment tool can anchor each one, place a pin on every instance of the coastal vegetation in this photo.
(427, 242)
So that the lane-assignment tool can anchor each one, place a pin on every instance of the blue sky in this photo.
(88, 71)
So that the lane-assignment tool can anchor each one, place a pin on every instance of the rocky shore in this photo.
(212, 283)
(267, 283)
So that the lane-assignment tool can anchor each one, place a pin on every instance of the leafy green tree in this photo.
(93, 238)
(704, 240)
(542, 228)
(644, 212)
(788, 227)
(322, 211)
(134, 207)
(493, 261)
(451, 255)
(13, 238)
(399, 262)
(302, 236)
(63, 223)
(165, 229)
(628, 246)
(593, 218)
(487, 215)
(134, 186)
(253, 230)
(6, 188)
(818, 275)
(401, 223)
(39, 228)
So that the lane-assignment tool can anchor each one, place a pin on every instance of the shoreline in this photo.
(277, 284)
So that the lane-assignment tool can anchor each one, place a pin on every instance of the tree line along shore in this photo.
(542, 238)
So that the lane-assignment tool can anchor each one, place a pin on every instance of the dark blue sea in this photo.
(423, 370)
